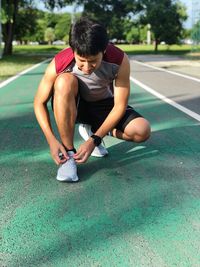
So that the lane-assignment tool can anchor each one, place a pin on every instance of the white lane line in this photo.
(168, 71)
(4, 83)
(189, 112)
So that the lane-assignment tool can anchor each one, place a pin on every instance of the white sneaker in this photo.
(67, 172)
(85, 132)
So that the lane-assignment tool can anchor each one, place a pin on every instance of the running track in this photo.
(138, 207)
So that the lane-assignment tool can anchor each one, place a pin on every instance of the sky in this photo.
(66, 9)
(188, 4)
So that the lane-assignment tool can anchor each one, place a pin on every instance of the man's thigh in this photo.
(129, 115)
(83, 115)
(94, 113)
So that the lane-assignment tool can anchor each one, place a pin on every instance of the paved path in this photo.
(137, 207)
(185, 65)
(182, 89)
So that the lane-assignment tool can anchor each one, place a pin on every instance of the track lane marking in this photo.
(168, 71)
(187, 111)
(4, 83)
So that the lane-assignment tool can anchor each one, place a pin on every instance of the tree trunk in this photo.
(8, 39)
(156, 46)
(9, 29)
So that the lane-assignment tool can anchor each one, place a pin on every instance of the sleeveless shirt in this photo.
(99, 84)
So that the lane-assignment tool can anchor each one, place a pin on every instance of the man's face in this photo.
(89, 63)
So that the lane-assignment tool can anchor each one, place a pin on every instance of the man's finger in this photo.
(82, 159)
(79, 155)
(57, 160)
(64, 153)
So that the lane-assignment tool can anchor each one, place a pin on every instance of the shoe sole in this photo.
(64, 180)
(98, 155)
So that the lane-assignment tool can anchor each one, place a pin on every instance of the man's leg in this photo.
(137, 130)
(64, 104)
(132, 127)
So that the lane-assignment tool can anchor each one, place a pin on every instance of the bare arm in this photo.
(121, 94)
(41, 111)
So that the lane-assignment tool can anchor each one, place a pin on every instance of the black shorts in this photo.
(94, 113)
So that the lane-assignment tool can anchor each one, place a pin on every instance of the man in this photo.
(88, 83)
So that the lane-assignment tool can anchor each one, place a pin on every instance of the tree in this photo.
(133, 36)
(51, 4)
(40, 27)
(166, 18)
(62, 26)
(26, 24)
(196, 33)
(112, 13)
(10, 12)
(49, 35)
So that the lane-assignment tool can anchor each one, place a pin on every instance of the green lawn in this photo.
(27, 55)
(162, 49)
(132, 49)
(11, 65)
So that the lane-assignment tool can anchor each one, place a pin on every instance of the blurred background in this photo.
(40, 28)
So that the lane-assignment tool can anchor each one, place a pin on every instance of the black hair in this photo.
(88, 37)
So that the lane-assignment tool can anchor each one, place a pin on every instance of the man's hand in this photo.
(56, 148)
(84, 151)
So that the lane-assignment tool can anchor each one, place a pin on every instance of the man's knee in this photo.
(142, 137)
(66, 84)
(138, 130)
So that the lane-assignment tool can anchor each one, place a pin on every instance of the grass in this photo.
(11, 65)
(162, 49)
(41, 50)
(27, 55)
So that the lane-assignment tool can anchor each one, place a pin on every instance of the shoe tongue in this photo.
(70, 153)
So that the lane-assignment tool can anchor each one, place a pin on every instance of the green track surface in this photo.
(137, 207)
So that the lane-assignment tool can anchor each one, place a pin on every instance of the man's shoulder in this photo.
(63, 59)
(113, 54)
